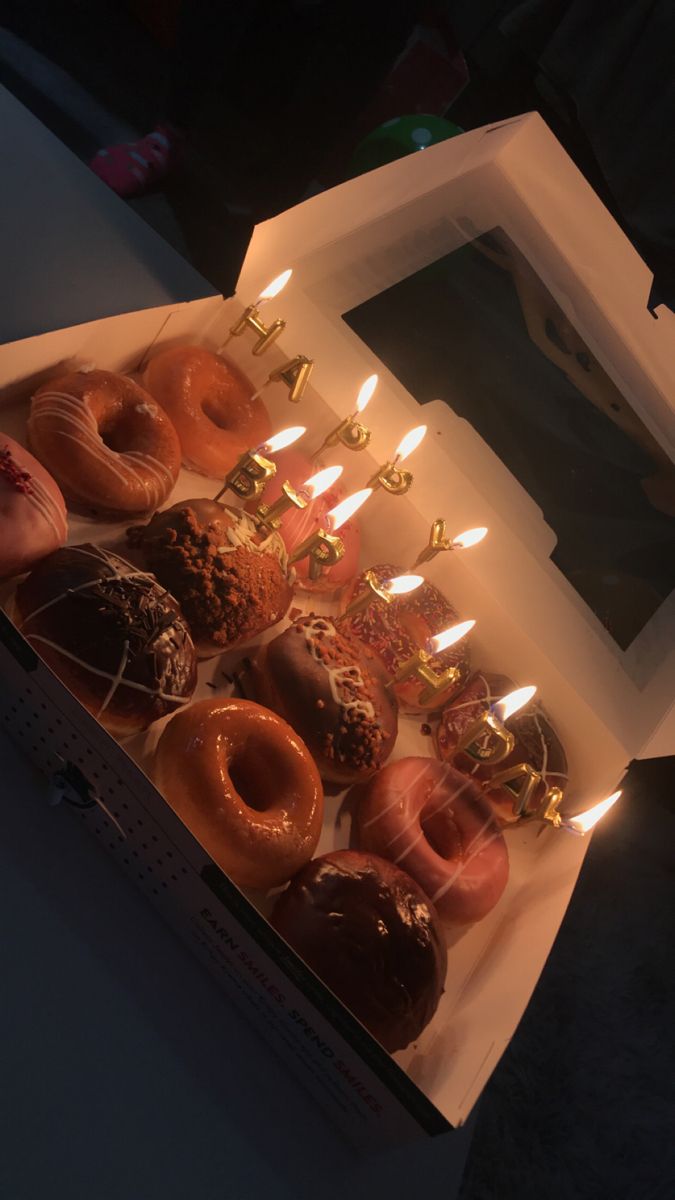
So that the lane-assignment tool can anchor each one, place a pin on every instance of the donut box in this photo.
(500, 225)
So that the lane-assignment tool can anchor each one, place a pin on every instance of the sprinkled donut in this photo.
(116, 639)
(32, 510)
(110, 447)
(434, 823)
(331, 690)
(396, 631)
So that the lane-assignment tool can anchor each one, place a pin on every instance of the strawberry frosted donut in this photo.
(396, 631)
(296, 525)
(32, 510)
(212, 405)
(537, 742)
(105, 441)
(434, 823)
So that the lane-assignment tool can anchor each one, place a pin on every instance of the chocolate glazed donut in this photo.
(536, 741)
(116, 639)
(331, 690)
(369, 932)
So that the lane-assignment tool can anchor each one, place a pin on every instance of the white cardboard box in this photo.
(610, 705)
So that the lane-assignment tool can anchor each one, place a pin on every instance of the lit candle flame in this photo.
(470, 537)
(275, 286)
(281, 440)
(510, 704)
(402, 584)
(584, 822)
(337, 516)
(320, 483)
(409, 443)
(365, 392)
(449, 636)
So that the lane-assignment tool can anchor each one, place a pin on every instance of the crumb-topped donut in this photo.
(537, 742)
(435, 823)
(369, 932)
(245, 785)
(330, 689)
(396, 631)
(212, 404)
(231, 581)
(32, 510)
(110, 447)
(116, 639)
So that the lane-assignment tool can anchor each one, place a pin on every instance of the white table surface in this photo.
(125, 1075)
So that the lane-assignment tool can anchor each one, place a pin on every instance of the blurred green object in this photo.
(398, 137)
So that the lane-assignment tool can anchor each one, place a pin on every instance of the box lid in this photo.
(365, 295)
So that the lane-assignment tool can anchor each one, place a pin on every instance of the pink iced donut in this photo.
(32, 510)
(298, 525)
(433, 822)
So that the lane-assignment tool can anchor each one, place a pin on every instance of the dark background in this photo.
(581, 1104)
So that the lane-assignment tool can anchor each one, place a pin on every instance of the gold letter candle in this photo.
(270, 518)
(438, 541)
(418, 663)
(350, 433)
(488, 739)
(324, 547)
(389, 591)
(250, 318)
(249, 477)
(390, 476)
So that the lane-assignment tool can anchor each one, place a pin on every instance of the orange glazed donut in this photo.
(105, 441)
(245, 785)
(212, 405)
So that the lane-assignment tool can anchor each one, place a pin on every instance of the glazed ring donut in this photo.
(245, 785)
(433, 822)
(105, 441)
(211, 403)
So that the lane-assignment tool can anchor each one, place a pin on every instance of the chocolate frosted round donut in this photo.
(212, 405)
(107, 443)
(369, 932)
(330, 689)
(536, 741)
(396, 631)
(231, 582)
(32, 510)
(434, 823)
(245, 786)
(111, 634)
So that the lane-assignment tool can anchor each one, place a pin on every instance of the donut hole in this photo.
(120, 431)
(215, 410)
(256, 771)
(441, 833)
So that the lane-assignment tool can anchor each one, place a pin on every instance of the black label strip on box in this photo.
(406, 1092)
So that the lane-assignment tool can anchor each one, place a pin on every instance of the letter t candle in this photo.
(418, 663)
